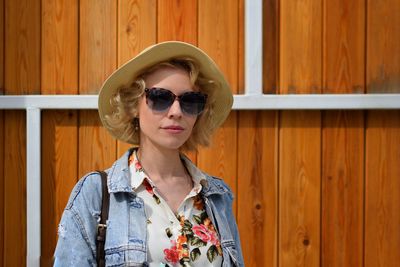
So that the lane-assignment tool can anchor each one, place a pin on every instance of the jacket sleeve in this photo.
(76, 245)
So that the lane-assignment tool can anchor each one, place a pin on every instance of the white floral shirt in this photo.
(187, 238)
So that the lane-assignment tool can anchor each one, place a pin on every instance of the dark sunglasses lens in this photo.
(193, 103)
(160, 99)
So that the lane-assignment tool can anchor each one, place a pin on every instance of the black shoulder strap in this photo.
(102, 226)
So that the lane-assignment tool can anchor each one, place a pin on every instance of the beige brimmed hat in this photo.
(154, 54)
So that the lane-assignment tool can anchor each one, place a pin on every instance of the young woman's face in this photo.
(168, 129)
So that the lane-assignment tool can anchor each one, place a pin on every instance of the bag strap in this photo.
(102, 226)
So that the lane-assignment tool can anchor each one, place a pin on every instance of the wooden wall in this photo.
(313, 188)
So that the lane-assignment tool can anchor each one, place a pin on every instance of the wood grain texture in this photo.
(344, 47)
(59, 173)
(382, 193)
(300, 51)
(177, 20)
(22, 76)
(342, 225)
(98, 58)
(383, 46)
(258, 186)
(270, 46)
(136, 31)
(22, 46)
(15, 189)
(299, 188)
(218, 37)
(59, 128)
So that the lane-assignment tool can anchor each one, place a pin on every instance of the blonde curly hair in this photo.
(125, 103)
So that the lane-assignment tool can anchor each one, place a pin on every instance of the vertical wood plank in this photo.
(343, 135)
(382, 190)
(270, 46)
(257, 186)
(382, 203)
(383, 46)
(177, 20)
(98, 58)
(300, 135)
(59, 128)
(136, 31)
(2, 203)
(180, 25)
(342, 188)
(218, 37)
(22, 76)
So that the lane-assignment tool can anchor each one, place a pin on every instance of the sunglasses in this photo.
(160, 99)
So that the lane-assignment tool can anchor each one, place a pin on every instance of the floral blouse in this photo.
(187, 238)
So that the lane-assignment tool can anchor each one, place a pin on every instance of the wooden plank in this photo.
(59, 128)
(300, 135)
(343, 135)
(218, 37)
(14, 188)
(177, 20)
(299, 188)
(2, 203)
(382, 190)
(383, 46)
(180, 25)
(382, 202)
(270, 46)
(342, 188)
(300, 46)
(136, 31)
(258, 186)
(98, 58)
(22, 76)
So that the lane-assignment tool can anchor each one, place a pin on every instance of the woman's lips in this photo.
(173, 129)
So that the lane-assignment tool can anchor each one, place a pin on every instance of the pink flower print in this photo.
(202, 232)
(171, 255)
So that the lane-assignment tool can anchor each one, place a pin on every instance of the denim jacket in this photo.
(126, 226)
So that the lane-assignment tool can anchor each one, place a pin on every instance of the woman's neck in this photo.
(161, 163)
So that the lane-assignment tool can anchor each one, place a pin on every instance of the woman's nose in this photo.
(175, 110)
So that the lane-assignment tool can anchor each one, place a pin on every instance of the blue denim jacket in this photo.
(126, 226)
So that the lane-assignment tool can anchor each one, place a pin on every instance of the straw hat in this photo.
(154, 54)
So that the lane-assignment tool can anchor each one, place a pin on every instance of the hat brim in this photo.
(126, 74)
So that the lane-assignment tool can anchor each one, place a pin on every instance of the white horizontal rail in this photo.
(241, 102)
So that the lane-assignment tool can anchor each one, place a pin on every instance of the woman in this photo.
(164, 211)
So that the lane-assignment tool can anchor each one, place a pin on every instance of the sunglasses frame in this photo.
(176, 97)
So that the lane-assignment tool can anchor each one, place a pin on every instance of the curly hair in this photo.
(125, 103)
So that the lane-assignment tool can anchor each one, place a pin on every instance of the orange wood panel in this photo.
(383, 46)
(258, 186)
(59, 128)
(218, 37)
(300, 48)
(14, 188)
(382, 201)
(344, 47)
(270, 46)
(299, 188)
(300, 135)
(177, 20)
(2, 135)
(136, 31)
(22, 76)
(343, 135)
(98, 59)
(382, 193)
(342, 188)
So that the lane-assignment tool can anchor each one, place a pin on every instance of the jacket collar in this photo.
(119, 177)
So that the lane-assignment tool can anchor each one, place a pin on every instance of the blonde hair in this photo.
(125, 102)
